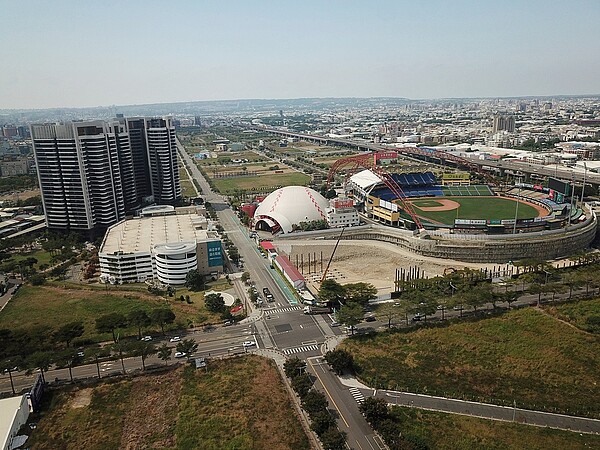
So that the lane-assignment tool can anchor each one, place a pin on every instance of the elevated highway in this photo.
(522, 169)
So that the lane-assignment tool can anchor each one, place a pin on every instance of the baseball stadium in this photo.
(448, 215)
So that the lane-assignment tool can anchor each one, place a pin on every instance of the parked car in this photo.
(146, 338)
(370, 319)
(335, 324)
(180, 355)
(248, 344)
(175, 339)
(418, 317)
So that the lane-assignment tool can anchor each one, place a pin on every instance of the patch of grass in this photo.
(492, 208)
(97, 426)
(42, 305)
(42, 256)
(577, 313)
(271, 180)
(454, 432)
(237, 403)
(524, 355)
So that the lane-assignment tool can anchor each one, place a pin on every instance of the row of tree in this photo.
(138, 318)
(315, 404)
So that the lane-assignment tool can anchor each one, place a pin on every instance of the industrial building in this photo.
(164, 244)
(14, 412)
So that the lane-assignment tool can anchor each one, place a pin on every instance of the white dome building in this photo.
(288, 206)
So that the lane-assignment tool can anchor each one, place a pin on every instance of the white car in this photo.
(180, 355)
(248, 344)
(175, 339)
(146, 338)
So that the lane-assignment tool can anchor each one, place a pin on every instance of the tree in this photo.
(194, 281)
(143, 350)
(314, 401)
(245, 277)
(162, 317)
(214, 302)
(42, 361)
(321, 422)
(572, 280)
(120, 347)
(331, 292)
(340, 360)
(37, 279)
(68, 332)
(360, 293)
(375, 410)
(350, 314)
(10, 365)
(108, 323)
(390, 311)
(302, 384)
(187, 346)
(333, 439)
(537, 288)
(478, 295)
(164, 353)
(293, 367)
(139, 318)
(69, 358)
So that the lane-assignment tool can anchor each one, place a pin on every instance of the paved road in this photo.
(511, 414)
(345, 406)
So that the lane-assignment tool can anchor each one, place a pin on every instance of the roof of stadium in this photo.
(291, 205)
(141, 235)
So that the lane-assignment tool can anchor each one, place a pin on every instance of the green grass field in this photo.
(454, 432)
(525, 356)
(577, 313)
(493, 208)
(239, 404)
(263, 182)
(39, 306)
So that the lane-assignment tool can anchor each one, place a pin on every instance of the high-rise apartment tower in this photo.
(93, 173)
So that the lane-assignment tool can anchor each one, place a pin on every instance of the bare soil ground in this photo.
(369, 261)
(22, 195)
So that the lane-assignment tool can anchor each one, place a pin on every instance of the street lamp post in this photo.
(517, 209)
(583, 185)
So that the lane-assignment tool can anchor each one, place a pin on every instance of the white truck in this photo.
(317, 310)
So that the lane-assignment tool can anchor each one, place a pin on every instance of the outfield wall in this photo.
(473, 247)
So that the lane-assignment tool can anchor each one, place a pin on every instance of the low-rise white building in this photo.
(14, 412)
(342, 213)
(163, 247)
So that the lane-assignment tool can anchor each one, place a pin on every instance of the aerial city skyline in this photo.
(61, 55)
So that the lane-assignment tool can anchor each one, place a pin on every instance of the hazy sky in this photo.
(87, 53)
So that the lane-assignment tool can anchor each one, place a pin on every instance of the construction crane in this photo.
(331, 257)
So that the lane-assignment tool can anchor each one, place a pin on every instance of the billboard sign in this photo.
(215, 253)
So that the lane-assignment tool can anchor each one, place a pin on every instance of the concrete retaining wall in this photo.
(474, 248)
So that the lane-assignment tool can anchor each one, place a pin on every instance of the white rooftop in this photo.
(8, 409)
(140, 235)
(365, 179)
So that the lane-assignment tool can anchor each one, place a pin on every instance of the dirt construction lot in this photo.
(369, 261)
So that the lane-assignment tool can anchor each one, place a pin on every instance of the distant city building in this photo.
(93, 173)
(503, 123)
(14, 166)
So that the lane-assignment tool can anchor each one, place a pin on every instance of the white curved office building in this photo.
(172, 262)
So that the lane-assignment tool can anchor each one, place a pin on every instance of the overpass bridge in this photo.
(520, 169)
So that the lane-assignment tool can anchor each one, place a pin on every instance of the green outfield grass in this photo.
(270, 180)
(493, 208)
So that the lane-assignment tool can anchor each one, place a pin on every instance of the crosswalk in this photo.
(358, 396)
(304, 348)
(282, 310)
